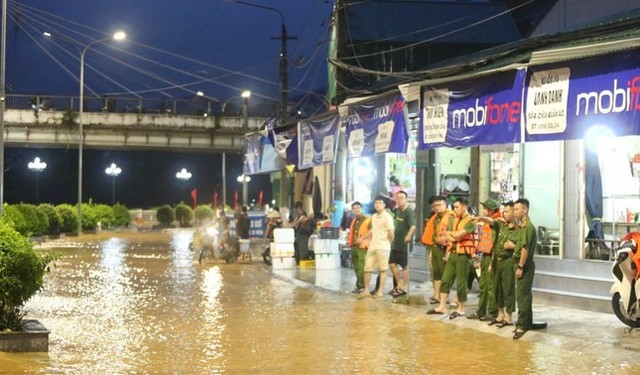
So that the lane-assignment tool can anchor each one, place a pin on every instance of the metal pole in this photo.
(37, 187)
(113, 190)
(3, 58)
(80, 140)
(245, 126)
(224, 179)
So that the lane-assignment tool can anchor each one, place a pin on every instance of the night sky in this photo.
(173, 49)
(148, 178)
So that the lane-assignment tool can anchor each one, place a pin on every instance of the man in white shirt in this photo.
(379, 248)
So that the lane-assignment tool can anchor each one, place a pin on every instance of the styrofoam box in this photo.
(282, 249)
(328, 261)
(284, 235)
(324, 246)
(282, 263)
(245, 246)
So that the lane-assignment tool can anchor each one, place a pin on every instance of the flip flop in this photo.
(494, 322)
(434, 312)
(434, 301)
(518, 334)
(455, 314)
(399, 293)
(504, 323)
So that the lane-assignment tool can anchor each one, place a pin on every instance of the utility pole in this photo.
(284, 76)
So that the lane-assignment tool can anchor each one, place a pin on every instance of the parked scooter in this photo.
(215, 243)
(626, 281)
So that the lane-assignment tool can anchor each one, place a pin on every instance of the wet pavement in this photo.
(581, 331)
(141, 303)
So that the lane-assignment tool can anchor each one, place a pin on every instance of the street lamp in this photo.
(184, 176)
(244, 179)
(113, 171)
(37, 166)
(120, 35)
(246, 94)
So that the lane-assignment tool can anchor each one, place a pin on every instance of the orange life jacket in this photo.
(440, 231)
(484, 235)
(468, 243)
(362, 230)
(635, 236)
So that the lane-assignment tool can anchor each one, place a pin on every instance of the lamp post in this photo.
(184, 176)
(117, 36)
(37, 166)
(113, 171)
(244, 179)
(120, 35)
(246, 94)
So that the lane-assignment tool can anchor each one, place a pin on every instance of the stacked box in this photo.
(284, 235)
(326, 246)
(282, 248)
(327, 261)
(282, 263)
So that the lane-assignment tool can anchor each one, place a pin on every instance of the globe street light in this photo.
(244, 179)
(37, 166)
(113, 171)
(183, 175)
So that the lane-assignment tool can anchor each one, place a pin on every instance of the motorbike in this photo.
(626, 281)
(216, 244)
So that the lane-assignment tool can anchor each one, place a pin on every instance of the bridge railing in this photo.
(109, 104)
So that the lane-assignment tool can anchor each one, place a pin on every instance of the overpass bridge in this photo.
(47, 122)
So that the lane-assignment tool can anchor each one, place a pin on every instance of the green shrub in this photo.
(22, 275)
(165, 215)
(89, 217)
(69, 217)
(54, 221)
(121, 215)
(203, 213)
(184, 214)
(104, 214)
(35, 226)
(12, 216)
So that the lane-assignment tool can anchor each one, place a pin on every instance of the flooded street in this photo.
(141, 303)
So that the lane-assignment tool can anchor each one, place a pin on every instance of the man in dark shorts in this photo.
(405, 226)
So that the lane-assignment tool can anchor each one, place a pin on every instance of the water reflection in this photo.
(140, 303)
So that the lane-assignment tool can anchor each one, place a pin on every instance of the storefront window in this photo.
(619, 162)
(542, 169)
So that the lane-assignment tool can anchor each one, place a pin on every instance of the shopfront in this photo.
(562, 134)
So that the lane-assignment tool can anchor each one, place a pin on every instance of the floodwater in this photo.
(141, 303)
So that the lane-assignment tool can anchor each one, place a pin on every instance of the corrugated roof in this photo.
(442, 21)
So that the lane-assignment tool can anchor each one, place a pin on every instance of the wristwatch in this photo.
(519, 267)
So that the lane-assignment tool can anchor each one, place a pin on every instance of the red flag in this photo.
(260, 197)
(235, 199)
(194, 197)
(215, 199)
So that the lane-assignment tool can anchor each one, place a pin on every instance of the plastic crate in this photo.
(332, 233)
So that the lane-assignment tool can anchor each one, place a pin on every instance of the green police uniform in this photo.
(438, 251)
(486, 297)
(504, 277)
(527, 238)
(358, 254)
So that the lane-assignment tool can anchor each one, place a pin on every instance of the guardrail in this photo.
(111, 104)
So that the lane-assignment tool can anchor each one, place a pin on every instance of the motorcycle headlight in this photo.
(212, 231)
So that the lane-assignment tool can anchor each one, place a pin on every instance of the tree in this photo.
(165, 215)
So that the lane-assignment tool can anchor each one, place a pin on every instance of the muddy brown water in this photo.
(141, 303)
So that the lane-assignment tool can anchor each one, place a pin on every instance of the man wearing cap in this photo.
(486, 235)
(524, 266)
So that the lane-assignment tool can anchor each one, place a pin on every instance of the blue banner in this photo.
(260, 156)
(318, 140)
(479, 111)
(377, 126)
(284, 140)
(576, 99)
